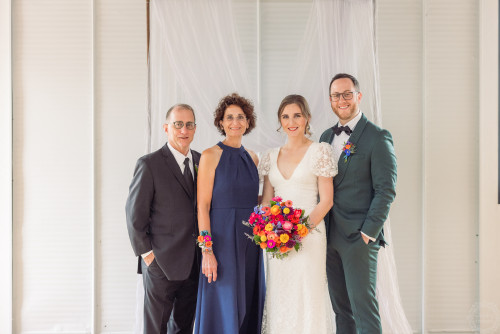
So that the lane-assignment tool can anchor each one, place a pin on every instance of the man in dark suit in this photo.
(364, 189)
(162, 226)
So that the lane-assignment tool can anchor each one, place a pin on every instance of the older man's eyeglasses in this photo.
(346, 95)
(180, 124)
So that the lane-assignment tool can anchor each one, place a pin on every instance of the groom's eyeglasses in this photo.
(180, 124)
(346, 95)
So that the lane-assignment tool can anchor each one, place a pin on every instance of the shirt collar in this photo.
(179, 157)
(352, 123)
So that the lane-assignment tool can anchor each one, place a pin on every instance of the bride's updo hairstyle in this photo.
(304, 108)
(236, 100)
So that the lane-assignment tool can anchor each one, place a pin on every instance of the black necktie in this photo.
(188, 177)
(346, 129)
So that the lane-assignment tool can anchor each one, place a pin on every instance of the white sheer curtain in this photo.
(196, 58)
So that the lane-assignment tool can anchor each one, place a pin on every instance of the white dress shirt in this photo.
(179, 157)
(339, 141)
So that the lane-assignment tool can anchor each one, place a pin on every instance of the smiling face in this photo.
(293, 121)
(180, 139)
(345, 109)
(234, 122)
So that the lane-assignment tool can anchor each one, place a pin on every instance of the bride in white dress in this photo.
(297, 299)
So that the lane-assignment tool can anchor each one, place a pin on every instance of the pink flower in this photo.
(287, 226)
(207, 238)
(277, 199)
(271, 243)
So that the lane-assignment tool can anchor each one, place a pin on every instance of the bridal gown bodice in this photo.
(297, 299)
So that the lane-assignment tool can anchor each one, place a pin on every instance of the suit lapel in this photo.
(174, 167)
(353, 138)
(332, 135)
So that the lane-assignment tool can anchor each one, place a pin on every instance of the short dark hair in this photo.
(236, 100)
(342, 76)
(301, 102)
(180, 106)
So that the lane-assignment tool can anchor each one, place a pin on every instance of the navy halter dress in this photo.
(234, 303)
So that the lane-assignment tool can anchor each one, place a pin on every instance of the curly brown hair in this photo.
(234, 99)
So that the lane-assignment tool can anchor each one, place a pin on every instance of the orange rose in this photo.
(200, 238)
(348, 146)
(283, 249)
(263, 245)
(275, 210)
(208, 244)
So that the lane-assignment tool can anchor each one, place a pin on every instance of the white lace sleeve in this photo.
(264, 165)
(323, 163)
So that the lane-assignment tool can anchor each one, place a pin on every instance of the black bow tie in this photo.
(346, 129)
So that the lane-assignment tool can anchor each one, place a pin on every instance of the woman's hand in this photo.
(209, 266)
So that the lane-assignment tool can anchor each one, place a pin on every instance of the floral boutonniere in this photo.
(349, 149)
(196, 168)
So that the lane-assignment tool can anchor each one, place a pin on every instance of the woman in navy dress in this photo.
(231, 287)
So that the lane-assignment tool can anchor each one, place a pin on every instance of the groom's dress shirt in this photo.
(179, 157)
(339, 141)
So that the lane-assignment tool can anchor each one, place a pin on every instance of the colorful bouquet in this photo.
(279, 227)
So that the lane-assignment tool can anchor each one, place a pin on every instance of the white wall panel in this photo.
(120, 84)
(489, 247)
(400, 50)
(5, 167)
(52, 165)
(450, 163)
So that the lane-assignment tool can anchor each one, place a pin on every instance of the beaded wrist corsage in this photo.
(205, 242)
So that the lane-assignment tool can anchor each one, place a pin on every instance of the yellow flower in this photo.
(299, 227)
(269, 227)
(286, 211)
(263, 238)
(284, 237)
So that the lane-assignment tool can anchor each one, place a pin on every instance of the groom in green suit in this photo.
(364, 189)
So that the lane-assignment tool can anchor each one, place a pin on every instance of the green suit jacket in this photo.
(365, 185)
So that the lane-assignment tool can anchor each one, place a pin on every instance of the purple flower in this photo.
(290, 243)
(347, 152)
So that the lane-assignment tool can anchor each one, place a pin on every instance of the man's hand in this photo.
(149, 259)
(365, 238)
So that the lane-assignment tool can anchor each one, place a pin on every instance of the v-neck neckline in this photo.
(302, 159)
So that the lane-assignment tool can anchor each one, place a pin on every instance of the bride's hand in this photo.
(209, 266)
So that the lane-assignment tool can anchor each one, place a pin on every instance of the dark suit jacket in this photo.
(161, 213)
(365, 185)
